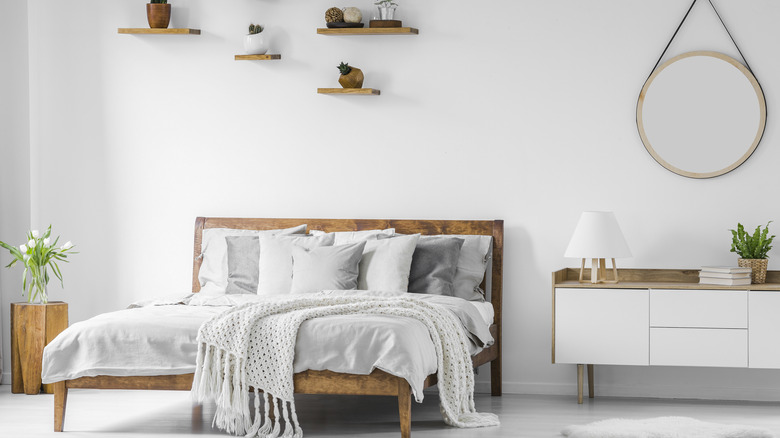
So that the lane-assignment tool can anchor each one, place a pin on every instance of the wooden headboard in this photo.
(487, 228)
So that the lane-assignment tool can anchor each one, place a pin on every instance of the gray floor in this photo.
(167, 414)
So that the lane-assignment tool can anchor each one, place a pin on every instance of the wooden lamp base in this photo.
(598, 272)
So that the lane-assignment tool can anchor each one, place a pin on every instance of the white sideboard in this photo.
(663, 317)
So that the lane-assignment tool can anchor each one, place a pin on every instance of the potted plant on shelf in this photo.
(753, 250)
(158, 13)
(254, 43)
(386, 9)
(36, 322)
(351, 77)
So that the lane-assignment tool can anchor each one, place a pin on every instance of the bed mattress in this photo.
(158, 339)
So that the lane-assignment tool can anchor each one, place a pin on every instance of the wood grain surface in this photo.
(33, 326)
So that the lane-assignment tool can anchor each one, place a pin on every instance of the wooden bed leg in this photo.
(495, 376)
(271, 404)
(60, 400)
(197, 417)
(580, 368)
(405, 407)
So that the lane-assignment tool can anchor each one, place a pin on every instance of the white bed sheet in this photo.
(161, 340)
(485, 310)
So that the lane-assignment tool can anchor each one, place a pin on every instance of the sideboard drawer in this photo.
(699, 308)
(699, 347)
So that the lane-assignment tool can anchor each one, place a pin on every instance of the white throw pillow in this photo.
(386, 263)
(344, 237)
(213, 272)
(326, 267)
(276, 265)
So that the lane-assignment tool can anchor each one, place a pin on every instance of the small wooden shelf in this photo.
(364, 91)
(257, 57)
(144, 30)
(369, 31)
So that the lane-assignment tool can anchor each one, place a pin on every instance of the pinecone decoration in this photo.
(334, 15)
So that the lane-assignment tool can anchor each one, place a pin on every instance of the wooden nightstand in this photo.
(33, 326)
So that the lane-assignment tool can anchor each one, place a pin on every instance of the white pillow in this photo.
(344, 237)
(213, 272)
(386, 263)
(276, 265)
(326, 267)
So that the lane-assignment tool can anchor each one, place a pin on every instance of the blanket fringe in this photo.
(222, 375)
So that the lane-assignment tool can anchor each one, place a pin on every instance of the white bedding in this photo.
(160, 340)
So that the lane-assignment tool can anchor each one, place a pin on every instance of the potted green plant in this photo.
(254, 43)
(351, 77)
(36, 322)
(37, 255)
(386, 9)
(158, 13)
(752, 250)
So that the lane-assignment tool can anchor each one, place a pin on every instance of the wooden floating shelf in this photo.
(257, 57)
(363, 91)
(369, 31)
(147, 31)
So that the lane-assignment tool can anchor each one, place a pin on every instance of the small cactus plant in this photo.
(344, 68)
(254, 29)
(165, 2)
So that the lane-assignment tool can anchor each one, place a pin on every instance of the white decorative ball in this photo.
(352, 15)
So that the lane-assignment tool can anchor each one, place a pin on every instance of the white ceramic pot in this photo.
(255, 44)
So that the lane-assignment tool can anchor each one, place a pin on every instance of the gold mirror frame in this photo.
(761, 125)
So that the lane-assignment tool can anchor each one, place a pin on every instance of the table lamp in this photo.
(598, 237)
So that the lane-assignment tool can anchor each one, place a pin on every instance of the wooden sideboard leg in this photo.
(591, 383)
(580, 369)
(60, 400)
(405, 407)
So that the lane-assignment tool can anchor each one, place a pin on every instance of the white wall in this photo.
(522, 111)
(14, 157)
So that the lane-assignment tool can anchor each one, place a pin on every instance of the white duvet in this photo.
(158, 338)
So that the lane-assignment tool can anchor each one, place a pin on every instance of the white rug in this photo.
(663, 427)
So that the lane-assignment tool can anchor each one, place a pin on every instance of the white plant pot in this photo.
(255, 44)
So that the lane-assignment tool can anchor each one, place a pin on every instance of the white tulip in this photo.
(23, 248)
(35, 234)
(68, 245)
(46, 241)
(31, 243)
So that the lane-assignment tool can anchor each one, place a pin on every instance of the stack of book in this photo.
(724, 275)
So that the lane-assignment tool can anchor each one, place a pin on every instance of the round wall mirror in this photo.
(701, 114)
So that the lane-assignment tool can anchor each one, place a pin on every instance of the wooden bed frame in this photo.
(327, 382)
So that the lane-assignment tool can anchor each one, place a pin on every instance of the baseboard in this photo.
(6, 378)
(642, 391)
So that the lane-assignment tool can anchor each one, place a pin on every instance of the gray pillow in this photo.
(326, 267)
(434, 263)
(243, 254)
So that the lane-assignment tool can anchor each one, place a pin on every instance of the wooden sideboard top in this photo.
(657, 279)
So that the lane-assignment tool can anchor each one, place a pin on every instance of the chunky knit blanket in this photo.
(253, 345)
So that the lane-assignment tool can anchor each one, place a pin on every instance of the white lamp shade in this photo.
(597, 236)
